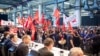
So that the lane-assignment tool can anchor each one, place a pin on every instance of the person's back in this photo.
(45, 51)
(22, 49)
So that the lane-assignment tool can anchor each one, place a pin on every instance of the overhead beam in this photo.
(3, 6)
(6, 3)
(53, 2)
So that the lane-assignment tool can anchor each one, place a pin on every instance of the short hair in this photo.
(25, 37)
(48, 41)
(98, 31)
(12, 36)
(5, 34)
(76, 51)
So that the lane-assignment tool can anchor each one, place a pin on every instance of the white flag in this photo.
(65, 20)
(73, 20)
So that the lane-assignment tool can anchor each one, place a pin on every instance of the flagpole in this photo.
(40, 10)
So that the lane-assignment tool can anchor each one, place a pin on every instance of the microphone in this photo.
(61, 53)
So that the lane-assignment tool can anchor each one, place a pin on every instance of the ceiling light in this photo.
(1, 10)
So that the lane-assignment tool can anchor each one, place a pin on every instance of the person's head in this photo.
(6, 34)
(49, 43)
(26, 39)
(13, 37)
(76, 51)
(98, 32)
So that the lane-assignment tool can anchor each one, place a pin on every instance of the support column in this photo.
(62, 8)
(14, 15)
(29, 9)
(44, 9)
(21, 12)
(14, 18)
(62, 11)
(78, 11)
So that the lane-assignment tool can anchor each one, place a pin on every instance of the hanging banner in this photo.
(9, 23)
(73, 19)
(4, 22)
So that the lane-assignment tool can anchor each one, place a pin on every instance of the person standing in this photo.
(76, 39)
(96, 43)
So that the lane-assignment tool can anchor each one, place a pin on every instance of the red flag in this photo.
(58, 22)
(29, 21)
(48, 23)
(70, 28)
(44, 23)
(36, 17)
(57, 13)
(42, 19)
(26, 23)
(63, 28)
(23, 21)
(45, 26)
(33, 31)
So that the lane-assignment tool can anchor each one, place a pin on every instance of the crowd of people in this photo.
(87, 38)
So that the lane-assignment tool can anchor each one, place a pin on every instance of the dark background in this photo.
(4, 16)
(87, 21)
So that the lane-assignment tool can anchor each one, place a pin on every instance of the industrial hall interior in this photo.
(49, 27)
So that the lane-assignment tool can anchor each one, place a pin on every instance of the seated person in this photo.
(22, 49)
(76, 51)
(5, 36)
(48, 45)
(12, 42)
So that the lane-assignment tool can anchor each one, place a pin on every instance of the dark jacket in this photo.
(22, 50)
(10, 44)
(3, 39)
(44, 52)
